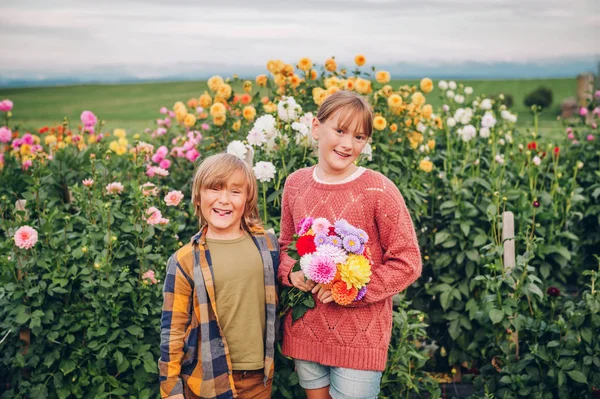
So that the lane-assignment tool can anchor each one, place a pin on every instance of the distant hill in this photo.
(114, 74)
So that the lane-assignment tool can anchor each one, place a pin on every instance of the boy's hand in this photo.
(178, 396)
(299, 281)
(323, 294)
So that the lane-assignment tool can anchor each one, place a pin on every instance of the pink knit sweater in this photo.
(357, 336)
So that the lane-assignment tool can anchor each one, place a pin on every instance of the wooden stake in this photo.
(508, 240)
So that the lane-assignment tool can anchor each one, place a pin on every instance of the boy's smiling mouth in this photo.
(222, 212)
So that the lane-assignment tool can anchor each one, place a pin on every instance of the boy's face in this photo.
(338, 147)
(223, 207)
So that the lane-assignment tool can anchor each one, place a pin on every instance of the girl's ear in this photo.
(315, 128)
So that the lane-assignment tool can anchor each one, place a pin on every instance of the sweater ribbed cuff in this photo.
(337, 356)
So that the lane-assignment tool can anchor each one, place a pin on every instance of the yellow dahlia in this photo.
(356, 272)
(360, 60)
(363, 86)
(426, 85)
(261, 80)
(426, 165)
(120, 133)
(418, 98)
(205, 100)
(330, 64)
(249, 113)
(382, 77)
(426, 111)
(379, 122)
(394, 101)
(215, 82)
(224, 91)
(190, 120)
(304, 64)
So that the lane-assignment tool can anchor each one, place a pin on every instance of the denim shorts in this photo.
(343, 383)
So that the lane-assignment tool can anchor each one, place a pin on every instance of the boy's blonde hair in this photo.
(214, 171)
(352, 105)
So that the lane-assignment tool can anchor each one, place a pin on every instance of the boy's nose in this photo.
(224, 197)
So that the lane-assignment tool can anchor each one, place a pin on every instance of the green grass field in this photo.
(135, 106)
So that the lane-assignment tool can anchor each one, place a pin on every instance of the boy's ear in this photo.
(315, 128)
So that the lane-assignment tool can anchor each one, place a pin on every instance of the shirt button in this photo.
(222, 344)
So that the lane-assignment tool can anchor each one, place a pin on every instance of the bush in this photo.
(542, 97)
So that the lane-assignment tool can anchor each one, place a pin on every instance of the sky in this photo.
(150, 38)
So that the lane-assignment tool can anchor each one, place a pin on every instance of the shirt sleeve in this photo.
(401, 258)
(175, 319)
(286, 235)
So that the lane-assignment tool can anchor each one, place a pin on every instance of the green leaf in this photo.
(479, 240)
(466, 229)
(564, 252)
(473, 254)
(150, 365)
(22, 317)
(135, 330)
(67, 366)
(123, 366)
(445, 299)
(447, 204)
(449, 243)
(496, 316)
(535, 290)
(298, 311)
(441, 236)
(577, 376)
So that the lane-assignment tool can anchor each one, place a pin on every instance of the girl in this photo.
(340, 351)
(218, 319)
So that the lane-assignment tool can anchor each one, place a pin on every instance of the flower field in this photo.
(89, 216)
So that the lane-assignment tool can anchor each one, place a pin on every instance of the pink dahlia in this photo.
(173, 198)
(25, 237)
(88, 119)
(5, 134)
(321, 269)
(6, 105)
(114, 188)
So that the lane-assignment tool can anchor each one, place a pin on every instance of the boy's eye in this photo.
(340, 131)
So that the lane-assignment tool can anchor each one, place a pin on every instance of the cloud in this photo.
(68, 35)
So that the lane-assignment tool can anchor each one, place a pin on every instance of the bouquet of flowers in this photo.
(333, 255)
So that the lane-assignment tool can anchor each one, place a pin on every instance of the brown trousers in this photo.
(249, 385)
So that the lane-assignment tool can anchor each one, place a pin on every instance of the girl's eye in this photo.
(361, 138)
(340, 131)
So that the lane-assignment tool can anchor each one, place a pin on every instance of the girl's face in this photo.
(338, 147)
(223, 207)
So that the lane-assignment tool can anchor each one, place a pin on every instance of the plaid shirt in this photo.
(193, 348)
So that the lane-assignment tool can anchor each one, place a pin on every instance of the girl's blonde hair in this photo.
(352, 105)
(215, 171)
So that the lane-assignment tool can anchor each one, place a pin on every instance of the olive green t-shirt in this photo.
(240, 297)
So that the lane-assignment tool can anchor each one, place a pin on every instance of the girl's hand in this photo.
(299, 281)
(323, 294)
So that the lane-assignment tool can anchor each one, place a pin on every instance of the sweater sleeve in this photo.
(286, 234)
(401, 258)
